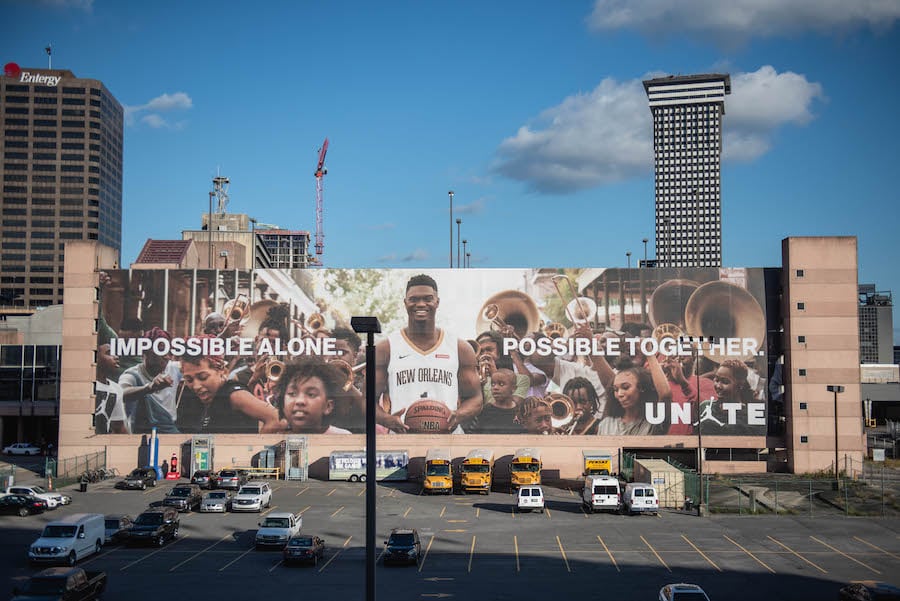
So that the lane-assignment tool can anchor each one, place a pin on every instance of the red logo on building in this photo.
(11, 70)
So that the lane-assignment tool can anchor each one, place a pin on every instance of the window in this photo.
(801, 306)
(801, 339)
(799, 273)
(803, 406)
(802, 371)
(804, 439)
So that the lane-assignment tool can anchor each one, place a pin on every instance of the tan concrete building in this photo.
(818, 292)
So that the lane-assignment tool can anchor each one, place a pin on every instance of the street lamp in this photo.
(369, 326)
(209, 231)
(696, 343)
(458, 223)
(465, 254)
(450, 193)
(628, 254)
(253, 243)
(645, 252)
(468, 259)
(836, 389)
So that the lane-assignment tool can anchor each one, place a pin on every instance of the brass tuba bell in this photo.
(512, 308)
(720, 309)
(562, 408)
(668, 302)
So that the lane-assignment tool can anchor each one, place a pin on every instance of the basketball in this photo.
(428, 417)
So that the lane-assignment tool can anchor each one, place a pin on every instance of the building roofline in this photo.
(698, 78)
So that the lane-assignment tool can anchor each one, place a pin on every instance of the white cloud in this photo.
(604, 136)
(741, 18)
(154, 121)
(416, 255)
(473, 208)
(164, 103)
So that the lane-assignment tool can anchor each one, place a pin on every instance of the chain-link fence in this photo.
(69, 470)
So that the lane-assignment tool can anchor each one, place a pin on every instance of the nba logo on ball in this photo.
(428, 417)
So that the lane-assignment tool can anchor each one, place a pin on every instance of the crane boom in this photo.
(320, 174)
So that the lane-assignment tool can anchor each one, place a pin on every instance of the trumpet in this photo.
(349, 372)
(491, 313)
(483, 368)
(235, 310)
(312, 325)
(274, 370)
(555, 330)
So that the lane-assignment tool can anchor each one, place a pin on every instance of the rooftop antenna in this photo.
(49, 51)
(220, 191)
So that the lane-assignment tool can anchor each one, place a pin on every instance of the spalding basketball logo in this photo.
(427, 425)
(11, 70)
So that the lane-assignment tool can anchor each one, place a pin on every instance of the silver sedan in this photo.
(216, 501)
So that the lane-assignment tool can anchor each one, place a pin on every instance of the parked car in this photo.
(62, 584)
(139, 478)
(117, 527)
(253, 496)
(216, 501)
(233, 479)
(53, 498)
(601, 493)
(682, 592)
(22, 448)
(531, 497)
(869, 590)
(402, 546)
(69, 539)
(184, 497)
(22, 505)
(205, 479)
(156, 525)
(277, 529)
(303, 549)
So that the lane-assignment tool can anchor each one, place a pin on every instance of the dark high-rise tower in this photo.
(687, 147)
(62, 177)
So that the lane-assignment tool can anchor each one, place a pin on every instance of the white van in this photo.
(601, 493)
(641, 497)
(531, 497)
(67, 540)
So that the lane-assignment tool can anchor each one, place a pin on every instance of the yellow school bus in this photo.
(438, 472)
(525, 467)
(477, 470)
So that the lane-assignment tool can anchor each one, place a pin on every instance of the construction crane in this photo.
(320, 173)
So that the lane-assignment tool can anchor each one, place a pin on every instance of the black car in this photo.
(22, 505)
(205, 479)
(233, 479)
(184, 497)
(155, 526)
(139, 478)
(869, 590)
(304, 549)
(402, 547)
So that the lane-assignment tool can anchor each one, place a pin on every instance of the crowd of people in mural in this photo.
(484, 388)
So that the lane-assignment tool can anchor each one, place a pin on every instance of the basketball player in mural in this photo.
(422, 361)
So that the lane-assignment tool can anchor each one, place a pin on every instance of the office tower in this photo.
(687, 147)
(289, 248)
(876, 325)
(62, 177)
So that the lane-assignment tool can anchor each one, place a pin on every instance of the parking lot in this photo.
(478, 547)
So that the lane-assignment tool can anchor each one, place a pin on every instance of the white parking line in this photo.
(302, 491)
(177, 565)
(333, 557)
(868, 567)
(424, 557)
(222, 569)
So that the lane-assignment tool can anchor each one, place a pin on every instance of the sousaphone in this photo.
(721, 309)
(513, 308)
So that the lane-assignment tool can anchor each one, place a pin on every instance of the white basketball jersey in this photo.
(414, 374)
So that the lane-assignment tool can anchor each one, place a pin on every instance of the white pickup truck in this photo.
(277, 529)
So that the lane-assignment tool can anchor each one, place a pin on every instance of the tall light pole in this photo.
(696, 342)
(465, 254)
(458, 223)
(209, 231)
(628, 254)
(253, 243)
(836, 389)
(450, 193)
(645, 252)
(468, 259)
(369, 326)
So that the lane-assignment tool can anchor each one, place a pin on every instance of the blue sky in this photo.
(533, 113)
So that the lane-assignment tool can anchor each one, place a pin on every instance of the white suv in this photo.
(253, 496)
(53, 498)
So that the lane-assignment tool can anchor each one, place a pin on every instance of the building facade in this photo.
(62, 140)
(289, 248)
(876, 325)
(687, 148)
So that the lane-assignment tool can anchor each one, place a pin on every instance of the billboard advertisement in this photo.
(572, 352)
